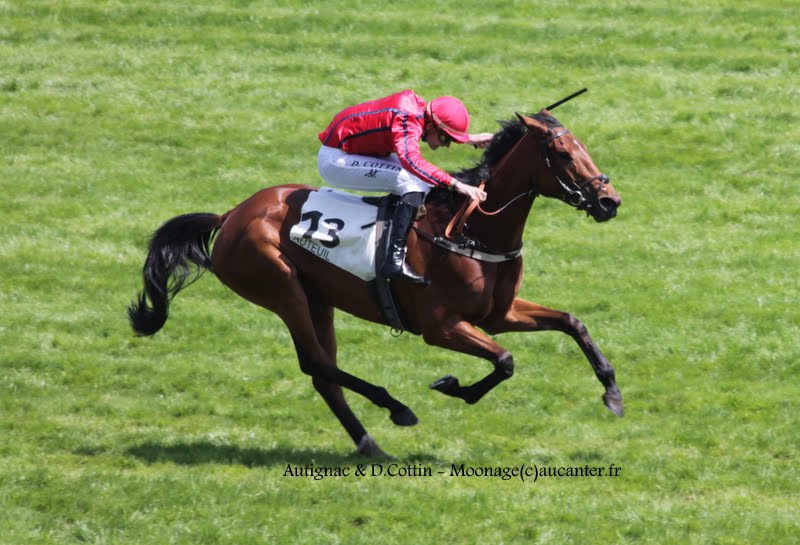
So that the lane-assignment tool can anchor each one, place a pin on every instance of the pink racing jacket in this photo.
(393, 124)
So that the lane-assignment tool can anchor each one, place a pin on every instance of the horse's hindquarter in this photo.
(254, 225)
(246, 249)
(254, 256)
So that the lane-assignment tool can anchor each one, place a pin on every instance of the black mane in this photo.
(505, 139)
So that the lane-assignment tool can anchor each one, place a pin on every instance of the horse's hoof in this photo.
(614, 404)
(446, 385)
(404, 418)
(368, 447)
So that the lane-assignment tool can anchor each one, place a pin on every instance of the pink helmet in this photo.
(450, 115)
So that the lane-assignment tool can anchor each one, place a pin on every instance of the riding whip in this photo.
(570, 97)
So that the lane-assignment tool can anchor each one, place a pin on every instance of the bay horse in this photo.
(530, 156)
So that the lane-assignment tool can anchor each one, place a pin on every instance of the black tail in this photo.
(182, 241)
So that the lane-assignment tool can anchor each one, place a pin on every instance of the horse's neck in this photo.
(511, 181)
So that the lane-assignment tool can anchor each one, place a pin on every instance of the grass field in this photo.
(115, 116)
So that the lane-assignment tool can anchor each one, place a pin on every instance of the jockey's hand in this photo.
(470, 191)
(481, 140)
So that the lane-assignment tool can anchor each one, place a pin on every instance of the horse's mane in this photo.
(504, 140)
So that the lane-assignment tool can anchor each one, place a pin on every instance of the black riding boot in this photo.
(395, 265)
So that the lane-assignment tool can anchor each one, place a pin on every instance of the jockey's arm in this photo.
(481, 140)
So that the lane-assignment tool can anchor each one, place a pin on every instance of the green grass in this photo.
(115, 116)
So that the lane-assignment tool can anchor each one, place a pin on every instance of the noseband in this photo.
(574, 193)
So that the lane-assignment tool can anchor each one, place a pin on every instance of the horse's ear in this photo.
(532, 123)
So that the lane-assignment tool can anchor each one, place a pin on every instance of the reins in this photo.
(456, 225)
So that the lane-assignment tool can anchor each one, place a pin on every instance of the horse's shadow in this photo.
(205, 452)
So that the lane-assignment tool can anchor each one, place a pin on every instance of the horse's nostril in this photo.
(608, 204)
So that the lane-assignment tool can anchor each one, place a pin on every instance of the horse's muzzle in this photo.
(605, 209)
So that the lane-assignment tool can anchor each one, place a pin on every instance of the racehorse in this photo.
(530, 156)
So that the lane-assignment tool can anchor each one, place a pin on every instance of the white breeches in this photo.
(365, 173)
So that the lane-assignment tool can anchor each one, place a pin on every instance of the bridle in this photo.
(574, 192)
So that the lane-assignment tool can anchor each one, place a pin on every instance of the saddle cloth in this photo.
(340, 228)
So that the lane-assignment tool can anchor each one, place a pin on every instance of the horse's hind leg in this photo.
(295, 310)
(332, 393)
(267, 278)
(334, 397)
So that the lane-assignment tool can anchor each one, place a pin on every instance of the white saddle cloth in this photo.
(339, 228)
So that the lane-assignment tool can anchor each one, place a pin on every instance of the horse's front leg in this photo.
(526, 316)
(463, 337)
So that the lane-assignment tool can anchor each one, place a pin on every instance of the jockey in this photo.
(374, 146)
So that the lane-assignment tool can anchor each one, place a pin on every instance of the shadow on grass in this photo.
(204, 452)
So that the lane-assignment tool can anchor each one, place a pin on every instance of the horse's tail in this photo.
(178, 250)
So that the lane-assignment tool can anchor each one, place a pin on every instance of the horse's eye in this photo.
(565, 155)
